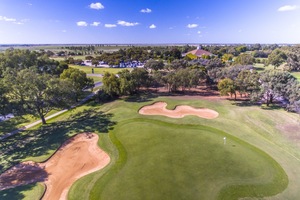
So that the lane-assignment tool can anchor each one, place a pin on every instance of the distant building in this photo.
(199, 52)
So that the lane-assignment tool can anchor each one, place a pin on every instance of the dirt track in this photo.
(77, 157)
(159, 108)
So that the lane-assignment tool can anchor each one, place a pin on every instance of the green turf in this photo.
(26, 192)
(169, 161)
(139, 150)
(262, 128)
(97, 70)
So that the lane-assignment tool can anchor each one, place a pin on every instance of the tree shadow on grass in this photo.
(10, 125)
(244, 103)
(15, 193)
(23, 174)
(33, 143)
(142, 97)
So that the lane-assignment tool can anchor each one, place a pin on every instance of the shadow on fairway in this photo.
(49, 137)
(244, 103)
(15, 193)
(143, 97)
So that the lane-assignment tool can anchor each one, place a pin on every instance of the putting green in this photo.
(160, 160)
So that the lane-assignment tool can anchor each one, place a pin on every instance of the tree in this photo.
(276, 58)
(140, 78)
(78, 79)
(4, 103)
(244, 59)
(247, 82)
(127, 84)
(111, 85)
(154, 65)
(274, 85)
(227, 57)
(226, 86)
(38, 94)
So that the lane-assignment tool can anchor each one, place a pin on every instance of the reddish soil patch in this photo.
(159, 108)
(77, 157)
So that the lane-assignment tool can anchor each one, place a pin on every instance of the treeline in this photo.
(31, 83)
(271, 86)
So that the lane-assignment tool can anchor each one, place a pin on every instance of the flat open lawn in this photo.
(156, 157)
(97, 70)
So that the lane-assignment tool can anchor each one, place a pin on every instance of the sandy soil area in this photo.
(159, 108)
(77, 157)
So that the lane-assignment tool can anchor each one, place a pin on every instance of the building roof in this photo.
(199, 52)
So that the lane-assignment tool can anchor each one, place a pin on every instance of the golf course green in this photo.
(157, 157)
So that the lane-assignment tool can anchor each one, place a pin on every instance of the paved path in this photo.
(96, 75)
(49, 117)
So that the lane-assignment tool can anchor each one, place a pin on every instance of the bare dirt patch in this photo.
(159, 108)
(77, 157)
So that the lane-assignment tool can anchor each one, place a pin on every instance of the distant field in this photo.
(97, 70)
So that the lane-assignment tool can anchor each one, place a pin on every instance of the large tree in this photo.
(274, 85)
(276, 58)
(38, 94)
(154, 65)
(4, 103)
(78, 79)
(226, 87)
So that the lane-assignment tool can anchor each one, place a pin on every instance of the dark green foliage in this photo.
(154, 65)
(276, 58)
(37, 94)
(78, 80)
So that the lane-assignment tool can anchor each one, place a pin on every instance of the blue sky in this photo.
(149, 21)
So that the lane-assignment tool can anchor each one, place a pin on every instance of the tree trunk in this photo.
(43, 119)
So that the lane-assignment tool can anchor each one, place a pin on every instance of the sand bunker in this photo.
(77, 157)
(159, 108)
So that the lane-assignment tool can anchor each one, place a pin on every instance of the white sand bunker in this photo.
(159, 108)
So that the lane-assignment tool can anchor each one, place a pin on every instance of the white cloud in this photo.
(147, 10)
(96, 6)
(110, 25)
(152, 26)
(29, 4)
(124, 23)
(18, 23)
(64, 31)
(95, 24)
(2, 18)
(199, 32)
(81, 23)
(192, 25)
(287, 8)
